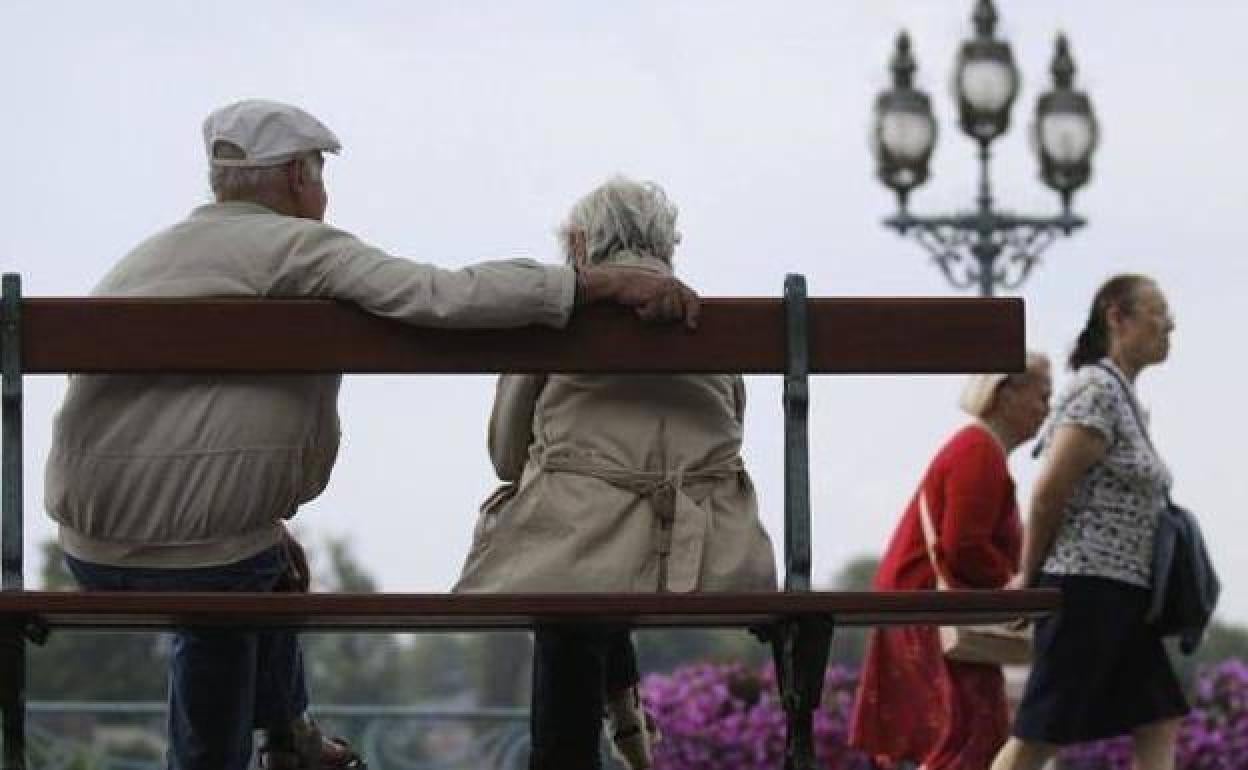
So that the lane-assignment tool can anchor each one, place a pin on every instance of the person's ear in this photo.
(1114, 316)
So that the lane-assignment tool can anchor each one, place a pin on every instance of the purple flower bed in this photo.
(728, 717)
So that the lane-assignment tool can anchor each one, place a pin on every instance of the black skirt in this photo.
(1099, 670)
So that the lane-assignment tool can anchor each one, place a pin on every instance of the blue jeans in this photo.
(223, 683)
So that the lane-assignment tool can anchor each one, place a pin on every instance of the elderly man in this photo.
(177, 483)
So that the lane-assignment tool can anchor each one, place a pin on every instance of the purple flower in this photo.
(728, 717)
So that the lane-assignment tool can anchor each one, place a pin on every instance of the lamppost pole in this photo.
(985, 248)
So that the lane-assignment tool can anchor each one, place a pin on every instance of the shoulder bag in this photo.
(995, 643)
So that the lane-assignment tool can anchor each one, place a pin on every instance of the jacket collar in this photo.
(231, 209)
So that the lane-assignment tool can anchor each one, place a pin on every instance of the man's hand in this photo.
(653, 296)
(1017, 582)
(296, 578)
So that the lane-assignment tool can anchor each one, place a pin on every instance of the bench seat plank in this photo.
(415, 612)
(746, 335)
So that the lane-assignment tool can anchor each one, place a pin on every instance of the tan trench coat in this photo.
(620, 483)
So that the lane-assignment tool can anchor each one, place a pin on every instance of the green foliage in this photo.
(438, 666)
(857, 575)
(94, 665)
(503, 661)
(849, 644)
(344, 573)
(1222, 642)
(663, 650)
(342, 667)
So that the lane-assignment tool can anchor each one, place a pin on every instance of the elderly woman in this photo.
(913, 703)
(618, 483)
(1100, 670)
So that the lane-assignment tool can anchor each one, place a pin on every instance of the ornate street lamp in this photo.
(1065, 131)
(905, 131)
(984, 248)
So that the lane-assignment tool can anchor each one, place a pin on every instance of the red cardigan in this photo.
(971, 499)
(913, 703)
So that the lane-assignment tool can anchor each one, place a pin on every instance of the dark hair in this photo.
(1093, 343)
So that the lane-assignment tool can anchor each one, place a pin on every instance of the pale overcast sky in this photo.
(470, 127)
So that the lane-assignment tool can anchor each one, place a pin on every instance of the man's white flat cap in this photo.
(268, 133)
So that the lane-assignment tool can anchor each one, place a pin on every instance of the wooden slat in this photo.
(736, 335)
(413, 612)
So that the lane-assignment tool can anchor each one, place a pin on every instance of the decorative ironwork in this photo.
(986, 249)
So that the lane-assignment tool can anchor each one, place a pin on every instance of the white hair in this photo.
(980, 391)
(249, 182)
(623, 217)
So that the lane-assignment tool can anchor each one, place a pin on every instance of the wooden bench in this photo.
(795, 336)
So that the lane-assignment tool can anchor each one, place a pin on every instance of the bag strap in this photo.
(930, 540)
(1129, 394)
(1135, 408)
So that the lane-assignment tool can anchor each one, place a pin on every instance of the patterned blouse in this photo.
(1109, 520)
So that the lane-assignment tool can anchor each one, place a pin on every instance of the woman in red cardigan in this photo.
(914, 704)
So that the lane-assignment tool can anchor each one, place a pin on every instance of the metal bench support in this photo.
(800, 649)
(12, 638)
(796, 442)
(799, 645)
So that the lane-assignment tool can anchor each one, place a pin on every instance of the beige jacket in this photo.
(185, 471)
(621, 483)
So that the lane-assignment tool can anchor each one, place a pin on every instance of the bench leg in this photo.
(12, 640)
(13, 696)
(800, 647)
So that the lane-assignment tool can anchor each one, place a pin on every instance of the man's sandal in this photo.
(344, 759)
(308, 749)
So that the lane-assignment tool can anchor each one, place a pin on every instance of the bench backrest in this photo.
(793, 336)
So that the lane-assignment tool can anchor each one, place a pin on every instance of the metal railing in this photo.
(123, 735)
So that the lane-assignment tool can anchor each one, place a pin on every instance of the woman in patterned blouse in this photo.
(913, 703)
(1100, 670)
